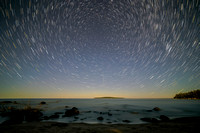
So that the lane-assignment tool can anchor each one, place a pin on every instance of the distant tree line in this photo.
(188, 95)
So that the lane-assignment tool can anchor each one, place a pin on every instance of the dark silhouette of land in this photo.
(188, 95)
(109, 98)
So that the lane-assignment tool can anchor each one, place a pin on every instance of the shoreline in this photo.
(178, 125)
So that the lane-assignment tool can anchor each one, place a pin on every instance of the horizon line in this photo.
(85, 98)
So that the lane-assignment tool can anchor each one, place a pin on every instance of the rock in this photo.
(42, 103)
(64, 116)
(74, 108)
(5, 102)
(71, 112)
(126, 121)
(100, 118)
(109, 114)
(146, 119)
(149, 110)
(14, 102)
(134, 112)
(76, 117)
(33, 115)
(83, 119)
(46, 118)
(20, 115)
(66, 106)
(154, 120)
(164, 118)
(156, 109)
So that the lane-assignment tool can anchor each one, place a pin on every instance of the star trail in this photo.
(88, 48)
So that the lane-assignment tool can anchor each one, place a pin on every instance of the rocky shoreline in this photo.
(31, 120)
(30, 114)
(179, 125)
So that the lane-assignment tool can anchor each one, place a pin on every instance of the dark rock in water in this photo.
(149, 110)
(164, 118)
(76, 117)
(71, 112)
(46, 118)
(156, 109)
(33, 117)
(64, 116)
(54, 116)
(109, 114)
(100, 113)
(83, 119)
(74, 108)
(146, 119)
(126, 121)
(134, 112)
(15, 102)
(66, 106)
(42, 103)
(100, 118)
(19, 115)
(5, 102)
(154, 120)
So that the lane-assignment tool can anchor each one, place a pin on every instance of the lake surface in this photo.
(118, 109)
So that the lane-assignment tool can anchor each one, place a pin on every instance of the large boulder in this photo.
(109, 114)
(164, 118)
(27, 114)
(100, 118)
(156, 109)
(5, 102)
(42, 103)
(33, 115)
(71, 112)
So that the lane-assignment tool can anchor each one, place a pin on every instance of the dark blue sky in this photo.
(74, 49)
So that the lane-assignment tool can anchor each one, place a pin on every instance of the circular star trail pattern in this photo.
(72, 48)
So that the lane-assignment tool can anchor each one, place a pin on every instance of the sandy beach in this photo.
(179, 125)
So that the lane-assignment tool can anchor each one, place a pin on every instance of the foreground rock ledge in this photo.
(186, 125)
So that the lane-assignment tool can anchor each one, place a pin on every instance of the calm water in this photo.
(121, 109)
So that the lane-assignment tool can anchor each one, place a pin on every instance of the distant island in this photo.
(188, 95)
(109, 98)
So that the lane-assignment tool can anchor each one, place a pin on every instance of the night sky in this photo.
(89, 48)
